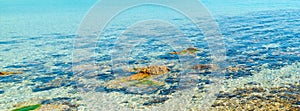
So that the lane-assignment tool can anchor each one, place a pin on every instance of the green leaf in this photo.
(28, 108)
(183, 52)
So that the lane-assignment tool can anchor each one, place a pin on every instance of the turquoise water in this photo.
(37, 39)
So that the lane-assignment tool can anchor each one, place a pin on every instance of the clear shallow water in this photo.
(37, 39)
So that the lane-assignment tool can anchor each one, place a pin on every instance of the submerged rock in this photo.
(141, 83)
(138, 76)
(233, 69)
(190, 50)
(205, 67)
(9, 73)
(147, 82)
(143, 73)
(152, 70)
(143, 86)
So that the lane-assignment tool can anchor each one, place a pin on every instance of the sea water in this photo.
(37, 38)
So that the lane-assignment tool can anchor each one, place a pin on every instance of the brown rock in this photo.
(205, 66)
(143, 73)
(154, 70)
(139, 76)
(174, 52)
(190, 50)
(233, 69)
(9, 73)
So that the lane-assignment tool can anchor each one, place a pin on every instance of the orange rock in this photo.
(174, 52)
(9, 73)
(117, 83)
(154, 70)
(142, 73)
(139, 76)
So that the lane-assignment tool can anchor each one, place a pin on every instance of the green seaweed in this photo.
(183, 52)
(28, 108)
